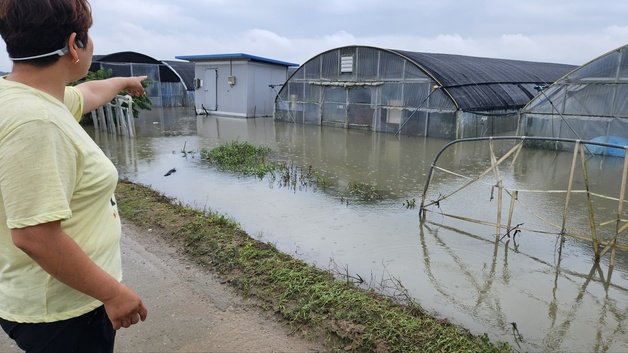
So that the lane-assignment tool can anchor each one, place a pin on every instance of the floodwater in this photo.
(531, 290)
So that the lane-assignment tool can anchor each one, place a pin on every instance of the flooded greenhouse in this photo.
(173, 79)
(403, 92)
(590, 103)
(534, 289)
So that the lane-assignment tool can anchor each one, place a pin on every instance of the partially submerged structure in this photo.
(590, 103)
(437, 95)
(238, 85)
(172, 80)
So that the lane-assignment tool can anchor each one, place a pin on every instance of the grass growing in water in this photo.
(311, 299)
(244, 158)
(240, 157)
(363, 191)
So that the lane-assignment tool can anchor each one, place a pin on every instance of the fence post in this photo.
(499, 186)
(570, 186)
(585, 175)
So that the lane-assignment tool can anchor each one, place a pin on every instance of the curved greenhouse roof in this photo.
(479, 84)
(128, 57)
(184, 70)
(169, 71)
(423, 94)
(590, 102)
(176, 78)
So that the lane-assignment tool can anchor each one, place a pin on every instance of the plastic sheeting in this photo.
(589, 103)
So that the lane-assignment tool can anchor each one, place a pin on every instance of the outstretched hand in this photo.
(97, 93)
(134, 85)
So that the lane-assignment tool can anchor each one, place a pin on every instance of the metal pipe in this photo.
(522, 138)
(216, 75)
(434, 89)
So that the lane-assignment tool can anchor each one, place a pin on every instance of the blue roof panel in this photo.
(234, 56)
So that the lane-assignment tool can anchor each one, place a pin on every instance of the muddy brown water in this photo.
(532, 291)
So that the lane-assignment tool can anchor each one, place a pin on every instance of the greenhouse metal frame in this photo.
(589, 103)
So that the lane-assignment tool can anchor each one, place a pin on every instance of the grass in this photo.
(363, 191)
(240, 157)
(310, 299)
(247, 159)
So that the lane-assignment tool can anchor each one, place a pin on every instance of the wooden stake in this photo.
(519, 147)
(570, 186)
(585, 175)
(500, 188)
(513, 198)
(620, 206)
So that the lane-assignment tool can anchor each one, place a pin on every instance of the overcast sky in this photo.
(563, 31)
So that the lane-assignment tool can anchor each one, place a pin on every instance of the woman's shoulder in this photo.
(26, 107)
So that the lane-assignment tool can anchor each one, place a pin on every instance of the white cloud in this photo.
(263, 36)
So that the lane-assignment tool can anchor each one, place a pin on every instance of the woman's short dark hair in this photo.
(34, 27)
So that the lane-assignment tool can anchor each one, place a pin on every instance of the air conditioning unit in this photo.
(231, 80)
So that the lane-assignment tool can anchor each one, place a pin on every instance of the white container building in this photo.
(237, 85)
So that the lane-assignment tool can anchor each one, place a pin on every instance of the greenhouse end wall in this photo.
(367, 88)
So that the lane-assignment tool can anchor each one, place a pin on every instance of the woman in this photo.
(60, 267)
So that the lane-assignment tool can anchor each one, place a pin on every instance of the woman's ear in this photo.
(73, 45)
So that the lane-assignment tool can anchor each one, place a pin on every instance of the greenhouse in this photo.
(590, 103)
(175, 78)
(437, 95)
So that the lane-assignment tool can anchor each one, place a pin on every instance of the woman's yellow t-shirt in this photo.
(51, 169)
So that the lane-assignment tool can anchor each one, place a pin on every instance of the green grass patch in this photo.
(240, 157)
(363, 191)
(247, 159)
(352, 319)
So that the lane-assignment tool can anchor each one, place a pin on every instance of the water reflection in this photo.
(557, 300)
(578, 312)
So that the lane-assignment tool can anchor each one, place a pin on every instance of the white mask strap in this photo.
(60, 52)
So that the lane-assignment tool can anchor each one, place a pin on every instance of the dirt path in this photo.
(189, 309)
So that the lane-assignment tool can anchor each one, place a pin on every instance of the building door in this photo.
(210, 89)
(334, 109)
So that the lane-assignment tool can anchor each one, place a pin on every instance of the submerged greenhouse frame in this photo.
(423, 94)
(589, 103)
(171, 82)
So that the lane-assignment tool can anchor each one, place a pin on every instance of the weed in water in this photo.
(240, 157)
(244, 158)
(362, 191)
